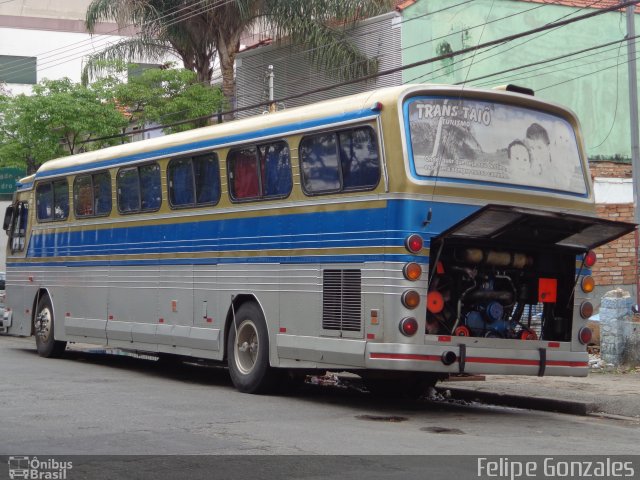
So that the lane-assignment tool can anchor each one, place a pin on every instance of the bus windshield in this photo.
(473, 140)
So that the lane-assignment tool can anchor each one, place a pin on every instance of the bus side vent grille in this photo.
(342, 300)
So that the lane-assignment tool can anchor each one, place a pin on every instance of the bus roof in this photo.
(334, 108)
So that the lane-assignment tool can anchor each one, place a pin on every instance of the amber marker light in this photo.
(588, 284)
(412, 271)
(411, 299)
(586, 309)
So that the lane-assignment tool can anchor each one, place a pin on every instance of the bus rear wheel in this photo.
(248, 351)
(43, 323)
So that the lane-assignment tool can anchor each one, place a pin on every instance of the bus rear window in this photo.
(474, 140)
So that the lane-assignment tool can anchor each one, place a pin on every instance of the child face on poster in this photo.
(519, 160)
(537, 141)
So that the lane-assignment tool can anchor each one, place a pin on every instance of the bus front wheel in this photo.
(248, 351)
(46, 343)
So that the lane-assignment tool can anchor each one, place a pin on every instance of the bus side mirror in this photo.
(8, 215)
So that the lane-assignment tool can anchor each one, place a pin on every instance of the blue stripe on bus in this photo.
(310, 259)
(178, 149)
(368, 227)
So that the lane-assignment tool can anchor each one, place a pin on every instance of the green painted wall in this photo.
(600, 98)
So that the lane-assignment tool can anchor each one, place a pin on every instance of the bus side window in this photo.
(44, 202)
(319, 159)
(359, 159)
(128, 190)
(340, 162)
(92, 194)
(243, 173)
(275, 163)
(60, 200)
(83, 196)
(150, 190)
(102, 193)
(206, 173)
(194, 181)
(180, 176)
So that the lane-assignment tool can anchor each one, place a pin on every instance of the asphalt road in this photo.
(95, 404)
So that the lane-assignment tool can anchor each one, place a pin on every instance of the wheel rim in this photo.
(43, 324)
(246, 346)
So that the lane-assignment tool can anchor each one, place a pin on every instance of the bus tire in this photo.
(44, 325)
(248, 351)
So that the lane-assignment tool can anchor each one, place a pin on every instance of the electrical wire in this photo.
(461, 61)
(404, 67)
(91, 47)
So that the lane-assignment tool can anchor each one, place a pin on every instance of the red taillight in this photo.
(584, 335)
(590, 259)
(435, 302)
(410, 299)
(408, 326)
(586, 310)
(414, 243)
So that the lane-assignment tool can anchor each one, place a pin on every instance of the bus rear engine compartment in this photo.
(482, 291)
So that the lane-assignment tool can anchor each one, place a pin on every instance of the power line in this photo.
(89, 42)
(396, 69)
(461, 61)
(549, 60)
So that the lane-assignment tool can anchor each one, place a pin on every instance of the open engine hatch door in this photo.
(536, 228)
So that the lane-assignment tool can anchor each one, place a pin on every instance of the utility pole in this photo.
(272, 105)
(635, 140)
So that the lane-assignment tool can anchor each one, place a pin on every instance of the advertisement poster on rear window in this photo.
(492, 142)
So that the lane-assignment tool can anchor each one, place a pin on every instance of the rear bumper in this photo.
(477, 360)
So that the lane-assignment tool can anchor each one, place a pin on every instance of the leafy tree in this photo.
(55, 121)
(199, 32)
(167, 96)
(60, 116)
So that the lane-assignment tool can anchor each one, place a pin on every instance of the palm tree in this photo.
(200, 31)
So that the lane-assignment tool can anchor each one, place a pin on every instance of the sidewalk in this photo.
(608, 393)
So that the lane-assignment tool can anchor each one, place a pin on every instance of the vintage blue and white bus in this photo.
(402, 234)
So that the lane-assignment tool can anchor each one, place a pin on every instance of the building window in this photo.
(194, 181)
(139, 189)
(341, 161)
(92, 195)
(14, 69)
(260, 172)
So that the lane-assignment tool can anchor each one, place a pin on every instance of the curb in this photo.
(517, 401)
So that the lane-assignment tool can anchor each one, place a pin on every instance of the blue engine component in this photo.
(488, 321)
(494, 311)
(475, 322)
